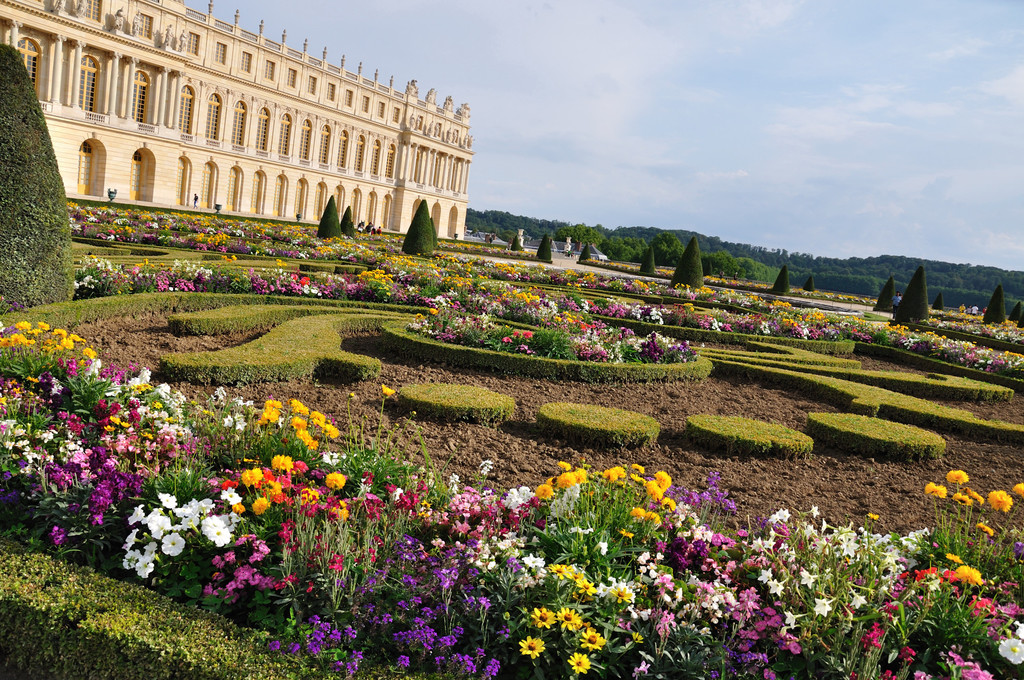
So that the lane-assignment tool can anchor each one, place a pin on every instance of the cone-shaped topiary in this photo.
(884, 303)
(689, 271)
(781, 285)
(1015, 314)
(433, 232)
(329, 227)
(517, 245)
(1020, 322)
(35, 236)
(938, 305)
(544, 249)
(585, 253)
(809, 284)
(420, 239)
(348, 227)
(647, 266)
(996, 310)
(914, 306)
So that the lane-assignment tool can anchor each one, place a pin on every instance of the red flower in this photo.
(228, 484)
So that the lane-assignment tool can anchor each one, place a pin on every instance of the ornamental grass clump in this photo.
(457, 403)
(597, 425)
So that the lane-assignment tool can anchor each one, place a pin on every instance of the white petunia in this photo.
(144, 568)
(168, 500)
(216, 530)
(534, 562)
(1012, 649)
(158, 525)
(230, 497)
(137, 516)
(822, 606)
(173, 544)
(602, 547)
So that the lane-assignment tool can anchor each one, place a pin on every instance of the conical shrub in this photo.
(781, 285)
(647, 265)
(348, 227)
(1015, 314)
(517, 244)
(809, 284)
(420, 238)
(689, 270)
(35, 236)
(914, 306)
(544, 249)
(938, 305)
(330, 226)
(585, 253)
(884, 303)
(996, 310)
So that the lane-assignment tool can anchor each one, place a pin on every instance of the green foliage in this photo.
(420, 239)
(874, 436)
(348, 226)
(544, 249)
(781, 285)
(938, 306)
(908, 358)
(722, 263)
(884, 303)
(330, 226)
(597, 425)
(689, 271)
(629, 249)
(517, 244)
(579, 233)
(915, 301)
(809, 284)
(35, 236)
(585, 253)
(995, 312)
(457, 403)
(647, 266)
(1015, 314)
(744, 436)
(667, 249)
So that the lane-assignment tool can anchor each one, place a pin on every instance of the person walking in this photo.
(195, 200)
(896, 300)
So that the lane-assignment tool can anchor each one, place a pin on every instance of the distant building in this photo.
(164, 103)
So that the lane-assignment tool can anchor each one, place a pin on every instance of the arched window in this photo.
(213, 117)
(325, 145)
(85, 168)
(259, 187)
(208, 194)
(280, 195)
(183, 181)
(135, 187)
(185, 109)
(235, 189)
(262, 129)
(140, 92)
(343, 152)
(285, 138)
(385, 221)
(356, 200)
(87, 84)
(305, 140)
(360, 149)
(389, 170)
(375, 165)
(453, 222)
(371, 207)
(321, 200)
(238, 125)
(301, 194)
(418, 174)
(30, 55)
(339, 197)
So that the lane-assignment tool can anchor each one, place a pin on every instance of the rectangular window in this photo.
(221, 53)
(348, 97)
(292, 76)
(147, 26)
(246, 62)
(366, 104)
(268, 70)
(381, 108)
(396, 116)
(332, 91)
(193, 43)
(92, 9)
(312, 85)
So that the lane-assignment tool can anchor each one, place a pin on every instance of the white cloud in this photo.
(1009, 87)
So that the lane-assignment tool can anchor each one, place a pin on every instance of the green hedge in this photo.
(408, 344)
(457, 402)
(331, 267)
(300, 348)
(874, 436)
(253, 318)
(597, 425)
(908, 358)
(734, 434)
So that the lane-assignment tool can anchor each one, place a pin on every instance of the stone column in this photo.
(156, 111)
(75, 73)
(126, 92)
(111, 93)
(57, 74)
(465, 176)
(15, 33)
(175, 102)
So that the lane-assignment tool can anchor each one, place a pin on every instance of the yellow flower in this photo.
(621, 594)
(668, 504)
(282, 463)
(655, 491)
(592, 640)
(543, 617)
(89, 353)
(969, 575)
(935, 490)
(544, 492)
(335, 480)
(531, 647)
(569, 619)
(954, 558)
(653, 518)
(386, 390)
(565, 466)
(433, 311)
(963, 499)
(43, 326)
(23, 326)
(663, 479)
(625, 533)
(639, 469)
(252, 477)
(1019, 489)
(1000, 500)
(580, 663)
(238, 508)
(976, 496)
(586, 587)
(260, 505)
(298, 423)
(566, 480)
(987, 529)
(298, 407)
(957, 477)
(638, 513)
(614, 474)
(873, 517)
(310, 496)
(638, 638)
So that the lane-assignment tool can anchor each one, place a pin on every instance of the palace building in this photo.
(162, 103)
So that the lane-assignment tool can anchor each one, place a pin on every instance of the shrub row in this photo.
(253, 318)
(331, 268)
(457, 403)
(994, 343)
(408, 344)
(734, 434)
(874, 436)
(597, 425)
(304, 347)
(908, 358)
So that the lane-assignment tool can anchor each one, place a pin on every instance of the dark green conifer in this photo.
(585, 253)
(938, 305)
(809, 284)
(517, 245)
(1015, 314)
(781, 285)
(329, 227)
(544, 249)
(996, 310)
(689, 270)
(348, 227)
(420, 238)
(884, 303)
(647, 265)
(35, 236)
(914, 306)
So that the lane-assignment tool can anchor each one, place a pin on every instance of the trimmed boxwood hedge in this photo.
(252, 318)
(908, 358)
(734, 434)
(874, 436)
(597, 425)
(457, 402)
(403, 342)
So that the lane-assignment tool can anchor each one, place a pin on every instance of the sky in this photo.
(833, 127)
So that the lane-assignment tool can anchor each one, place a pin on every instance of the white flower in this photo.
(814, 511)
(807, 578)
(158, 525)
(485, 467)
(1020, 630)
(132, 538)
(858, 601)
(780, 516)
(790, 619)
(216, 529)
(602, 547)
(534, 562)
(168, 500)
(766, 575)
(516, 498)
(173, 544)
(137, 516)
(144, 567)
(230, 497)
(1012, 649)
(775, 587)
(397, 493)
(822, 606)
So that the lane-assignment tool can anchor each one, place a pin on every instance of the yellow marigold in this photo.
(1019, 489)
(89, 353)
(566, 479)
(957, 477)
(963, 499)
(43, 326)
(654, 490)
(386, 390)
(531, 647)
(433, 311)
(581, 475)
(317, 418)
(544, 492)
(252, 477)
(565, 466)
(638, 513)
(282, 463)
(298, 407)
(954, 558)
(335, 480)
(969, 575)
(639, 469)
(23, 326)
(592, 640)
(273, 403)
(625, 533)
(986, 528)
(614, 474)
(668, 504)
(936, 490)
(873, 517)
(543, 617)
(331, 431)
(298, 423)
(238, 508)
(1000, 500)
(663, 479)
(260, 505)
(975, 495)
(569, 619)
(653, 518)
(580, 663)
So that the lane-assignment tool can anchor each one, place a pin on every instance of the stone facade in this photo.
(164, 103)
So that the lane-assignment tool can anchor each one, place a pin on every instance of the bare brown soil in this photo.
(843, 486)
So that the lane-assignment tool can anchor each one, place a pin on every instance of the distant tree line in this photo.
(960, 284)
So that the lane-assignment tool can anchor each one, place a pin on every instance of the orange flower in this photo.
(957, 477)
